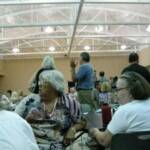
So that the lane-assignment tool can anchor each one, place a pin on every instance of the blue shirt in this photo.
(84, 77)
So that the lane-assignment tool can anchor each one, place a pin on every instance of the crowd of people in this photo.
(54, 117)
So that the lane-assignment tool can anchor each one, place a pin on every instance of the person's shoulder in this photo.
(138, 67)
(15, 117)
(86, 65)
(69, 100)
(145, 102)
(131, 67)
(31, 96)
(131, 106)
(124, 70)
(7, 115)
(67, 97)
(143, 67)
(29, 99)
(83, 65)
(124, 108)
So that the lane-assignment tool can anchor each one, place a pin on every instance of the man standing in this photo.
(84, 81)
(134, 66)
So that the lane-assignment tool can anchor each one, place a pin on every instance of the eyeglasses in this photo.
(119, 89)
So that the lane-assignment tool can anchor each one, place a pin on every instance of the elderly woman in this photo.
(52, 106)
(134, 95)
(13, 126)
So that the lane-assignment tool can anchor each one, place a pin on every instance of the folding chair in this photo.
(131, 141)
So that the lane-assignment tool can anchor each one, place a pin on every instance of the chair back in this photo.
(131, 141)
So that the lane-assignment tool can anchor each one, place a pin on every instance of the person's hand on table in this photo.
(70, 135)
(34, 114)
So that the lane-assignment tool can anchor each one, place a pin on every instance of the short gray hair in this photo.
(55, 78)
(48, 62)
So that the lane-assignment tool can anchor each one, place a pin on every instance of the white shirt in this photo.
(15, 133)
(131, 117)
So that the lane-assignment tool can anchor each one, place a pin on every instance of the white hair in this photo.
(48, 62)
(55, 78)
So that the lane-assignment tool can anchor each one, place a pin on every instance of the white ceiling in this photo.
(124, 22)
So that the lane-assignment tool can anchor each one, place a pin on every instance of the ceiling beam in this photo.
(76, 46)
(71, 24)
(62, 54)
(75, 25)
(117, 2)
(110, 36)
(78, 36)
(31, 2)
(35, 2)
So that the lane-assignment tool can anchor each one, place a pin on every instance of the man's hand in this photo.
(70, 135)
(73, 63)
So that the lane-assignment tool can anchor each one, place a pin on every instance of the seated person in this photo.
(15, 132)
(96, 92)
(133, 116)
(8, 93)
(73, 93)
(48, 63)
(104, 95)
(102, 77)
(51, 104)
(7, 104)
(15, 97)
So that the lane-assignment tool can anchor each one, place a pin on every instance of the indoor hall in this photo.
(32, 31)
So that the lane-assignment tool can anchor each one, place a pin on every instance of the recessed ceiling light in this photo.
(123, 47)
(87, 48)
(125, 14)
(48, 29)
(10, 19)
(148, 28)
(16, 50)
(52, 48)
(99, 29)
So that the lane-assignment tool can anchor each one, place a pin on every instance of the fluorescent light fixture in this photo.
(52, 48)
(125, 14)
(148, 28)
(99, 29)
(123, 47)
(48, 29)
(16, 50)
(87, 48)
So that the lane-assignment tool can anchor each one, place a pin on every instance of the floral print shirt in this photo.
(50, 129)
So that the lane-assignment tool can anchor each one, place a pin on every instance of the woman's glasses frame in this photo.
(119, 89)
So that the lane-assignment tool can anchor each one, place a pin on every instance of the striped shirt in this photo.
(66, 112)
(33, 101)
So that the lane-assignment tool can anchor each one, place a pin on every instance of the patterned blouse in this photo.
(50, 129)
